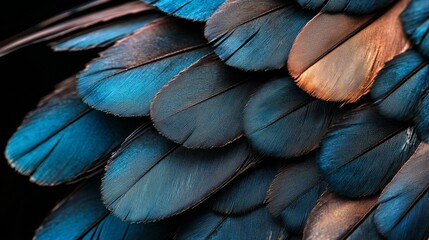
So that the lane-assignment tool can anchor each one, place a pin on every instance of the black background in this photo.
(26, 76)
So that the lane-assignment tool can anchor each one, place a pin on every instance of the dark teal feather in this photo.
(63, 138)
(151, 178)
(281, 120)
(203, 106)
(398, 87)
(82, 215)
(415, 20)
(358, 7)
(363, 151)
(197, 10)
(422, 119)
(256, 35)
(125, 79)
(402, 211)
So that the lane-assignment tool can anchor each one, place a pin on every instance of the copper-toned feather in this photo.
(336, 57)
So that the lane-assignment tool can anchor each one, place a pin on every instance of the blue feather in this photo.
(151, 178)
(202, 106)
(256, 35)
(64, 138)
(415, 20)
(403, 211)
(104, 35)
(398, 87)
(348, 6)
(422, 119)
(363, 151)
(281, 120)
(294, 192)
(197, 10)
(246, 193)
(82, 215)
(257, 224)
(127, 76)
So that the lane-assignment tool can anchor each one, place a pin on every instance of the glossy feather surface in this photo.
(415, 20)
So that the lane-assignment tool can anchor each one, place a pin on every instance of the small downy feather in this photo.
(82, 215)
(102, 36)
(257, 224)
(63, 138)
(294, 192)
(358, 7)
(336, 57)
(363, 151)
(335, 217)
(125, 79)
(255, 35)
(399, 86)
(151, 178)
(415, 20)
(281, 120)
(402, 211)
(422, 119)
(63, 28)
(196, 10)
(203, 105)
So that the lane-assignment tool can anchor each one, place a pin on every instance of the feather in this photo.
(348, 6)
(336, 57)
(260, 31)
(63, 28)
(63, 138)
(280, 120)
(402, 211)
(257, 224)
(125, 79)
(82, 216)
(294, 192)
(422, 119)
(247, 192)
(415, 20)
(335, 217)
(104, 35)
(363, 151)
(399, 86)
(196, 10)
(180, 110)
(151, 178)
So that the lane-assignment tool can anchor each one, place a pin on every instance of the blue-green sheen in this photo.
(83, 216)
(415, 20)
(125, 79)
(151, 178)
(104, 35)
(281, 120)
(256, 35)
(197, 10)
(358, 7)
(421, 119)
(363, 151)
(400, 84)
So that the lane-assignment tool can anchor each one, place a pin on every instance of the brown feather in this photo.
(336, 57)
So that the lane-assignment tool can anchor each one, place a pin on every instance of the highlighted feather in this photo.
(348, 6)
(336, 57)
(415, 20)
(255, 35)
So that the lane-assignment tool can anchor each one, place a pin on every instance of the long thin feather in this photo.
(422, 119)
(358, 7)
(415, 19)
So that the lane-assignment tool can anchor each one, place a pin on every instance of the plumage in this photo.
(399, 86)
(335, 217)
(336, 57)
(63, 138)
(402, 211)
(415, 20)
(104, 35)
(422, 119)
(363, 151)
(197, 10)
(124, 81)
(358, 7)
(93, 221)
(281, 120)
(294, 192)
(179, 110)
(262, 31)
(151, 178)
